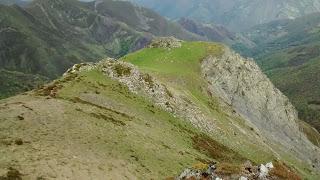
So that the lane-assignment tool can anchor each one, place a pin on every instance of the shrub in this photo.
(282, 171)
(122, 70)
(200, 166)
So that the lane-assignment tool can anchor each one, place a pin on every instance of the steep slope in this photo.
(288, 51)
(237, 15)
(142, 19)
(209, 31)
(12, 82)
(170, 111)
(49, 36)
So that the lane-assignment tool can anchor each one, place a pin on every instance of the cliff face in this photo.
(240, 83)
(151, 114)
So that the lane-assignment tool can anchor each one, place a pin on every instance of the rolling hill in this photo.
(152, 114)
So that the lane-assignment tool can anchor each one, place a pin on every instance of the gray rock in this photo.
(144, 84)
(243, 178)
(240, 83)
(263, 171)
(269, 165)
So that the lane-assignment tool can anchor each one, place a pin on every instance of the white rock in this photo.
(243, 178)
(185, 173)
(217, 178)
(263, 171)
(269, 165)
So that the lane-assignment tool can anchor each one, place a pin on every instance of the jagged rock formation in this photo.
(240, 83)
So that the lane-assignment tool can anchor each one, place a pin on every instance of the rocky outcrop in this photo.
(245, 171)
(148, 86)
(240, 83)
(165, 42)
(145, 84)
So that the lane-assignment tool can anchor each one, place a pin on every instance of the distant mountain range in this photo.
(237, 15)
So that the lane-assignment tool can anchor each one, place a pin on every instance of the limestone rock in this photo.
(240, 83)
(145, 84)
(263, 171)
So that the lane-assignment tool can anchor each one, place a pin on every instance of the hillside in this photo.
(150, 115)
(49, 36)
(288, 51)
(12, 82)
(210, 32)
(237, 15)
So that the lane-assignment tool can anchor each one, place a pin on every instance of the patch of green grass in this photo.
(178, 67)
(178, 61)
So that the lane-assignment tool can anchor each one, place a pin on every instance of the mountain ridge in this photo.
(151, 120)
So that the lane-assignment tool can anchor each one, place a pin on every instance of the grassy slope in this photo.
(103, 128)
(163, 133)
(102, 123)
(180, 69)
